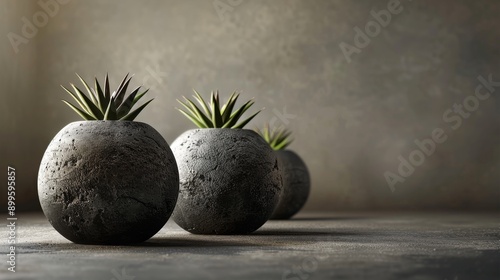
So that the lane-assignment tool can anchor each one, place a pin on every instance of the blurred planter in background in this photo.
(296, 178)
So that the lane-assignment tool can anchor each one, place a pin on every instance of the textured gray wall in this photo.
(351, 119)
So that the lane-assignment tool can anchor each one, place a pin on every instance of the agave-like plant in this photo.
(101, 104)
(213, 115)
(278, 138)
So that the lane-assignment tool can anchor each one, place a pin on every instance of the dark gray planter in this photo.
(230, 181)
(296, 185)
(108, 182)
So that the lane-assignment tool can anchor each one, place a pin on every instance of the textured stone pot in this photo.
(230, 181)
(296, 185)
(108, 182)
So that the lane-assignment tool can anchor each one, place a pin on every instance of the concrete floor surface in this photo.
(451, 246)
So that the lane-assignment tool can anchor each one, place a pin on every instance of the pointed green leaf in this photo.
(102, 101)
(216, 114)
(122, 89)
(82, 114)
(228, 107)
(266, 133)
(243, 123)
(277, 138)
(107, 92)
(286, 135)
(127, 105)
(282, 145)
(196, 113)
(276, 135)
(200, 115)
(238, 113)
(202, 102)
(92, 109)
(140, 95)
(229, 100)
(75, 98)
(110, 112)
(91, 94)
(192, 118)
(132, 115)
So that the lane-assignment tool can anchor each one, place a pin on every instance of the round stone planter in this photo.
(230, 181)
(108, 182)
(296, 185)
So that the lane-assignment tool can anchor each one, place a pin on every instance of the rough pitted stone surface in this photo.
(108, 182)
(296, 185)
(230, 181)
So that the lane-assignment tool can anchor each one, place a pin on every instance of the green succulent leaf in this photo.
(197, 113)
(107, 92)
(140, 95)
(245, 122)
(192, 118)
(202, 102)
(89, 90)
(84, 115)
(132, 115)
(278, 138)
(215, 114)
(228, 107)
(124, 108)
(75, 98)
(122, 89)
(110, 112)
(92, 109)
(102, 104)
(238, 113)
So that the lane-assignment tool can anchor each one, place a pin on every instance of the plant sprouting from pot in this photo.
(102, 104)
(278, 138)
(212, 115)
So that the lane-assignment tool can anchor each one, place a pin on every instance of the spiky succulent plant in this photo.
(213, 115)
(102, 104)
(278, 138)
